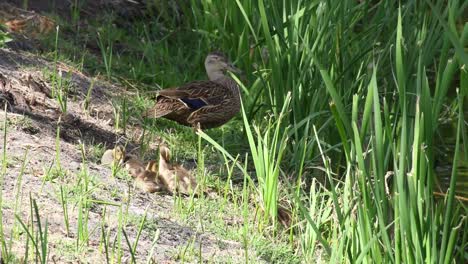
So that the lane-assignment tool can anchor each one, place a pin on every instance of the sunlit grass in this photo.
(381, 140)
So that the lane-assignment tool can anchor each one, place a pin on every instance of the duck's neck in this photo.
(164, 164)
(214, 75)
(224, 80)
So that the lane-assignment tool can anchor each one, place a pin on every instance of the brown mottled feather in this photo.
(208, 91)
(165, 106)
(211, 116)
(221, 96)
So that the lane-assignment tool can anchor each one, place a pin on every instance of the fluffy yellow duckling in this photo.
(148, 179)
(134, 166)
(113, 156)
(175, 177)
(118, 156)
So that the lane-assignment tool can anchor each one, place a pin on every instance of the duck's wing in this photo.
(198, 94)
(214, 115)
(164, 106)
(189, 98)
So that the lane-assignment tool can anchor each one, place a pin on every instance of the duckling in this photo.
(152, 166)
(148, 179)
(118, 156)
(113, 156)
(134, 166)
(175, 177)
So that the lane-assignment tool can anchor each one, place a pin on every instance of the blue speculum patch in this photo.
(194, 103)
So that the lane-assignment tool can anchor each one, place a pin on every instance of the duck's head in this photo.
(217, 64)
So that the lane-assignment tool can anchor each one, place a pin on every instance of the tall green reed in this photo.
(374, 82)
(267, 149)
(384, 75)
(106, 44)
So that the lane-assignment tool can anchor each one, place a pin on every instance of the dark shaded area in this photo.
(27, 93)
(123, 8)
(72, 128)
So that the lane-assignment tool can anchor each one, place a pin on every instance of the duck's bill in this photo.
(233, 69)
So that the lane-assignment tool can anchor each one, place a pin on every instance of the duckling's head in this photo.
(149, 181)
(119, 154)
(217, 64)
(164, 153)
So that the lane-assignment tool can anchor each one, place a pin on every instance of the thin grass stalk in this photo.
(106, 52)
(401, 199)
(326, 164)
(2, 179)
(18, 187)
(42, 234)
(140, 229)
(104, 241)
(448, 215)
(54, 75)
(58, 165)
(313, 225)
(64, 202)
(89, 92)
(245, 214)
(129, 244)
(30, 236)
(154, 244)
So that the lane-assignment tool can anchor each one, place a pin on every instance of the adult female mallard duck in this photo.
(203, 104)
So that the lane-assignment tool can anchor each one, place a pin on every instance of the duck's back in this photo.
(210, 103)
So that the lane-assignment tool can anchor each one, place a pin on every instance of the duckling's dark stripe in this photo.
(193, 103)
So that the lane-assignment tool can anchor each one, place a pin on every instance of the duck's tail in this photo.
(157, 112)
